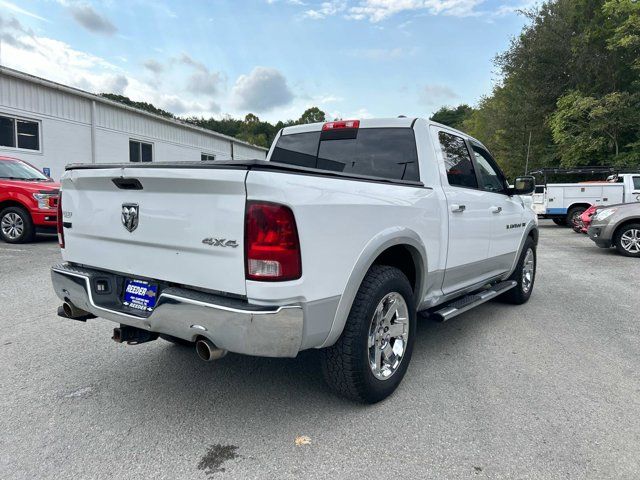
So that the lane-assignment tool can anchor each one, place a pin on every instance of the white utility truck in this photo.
(565, 202)
(335, 242)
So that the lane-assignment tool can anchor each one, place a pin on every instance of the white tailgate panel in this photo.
(178, 208)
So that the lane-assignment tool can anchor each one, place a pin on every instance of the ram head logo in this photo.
(130, 216)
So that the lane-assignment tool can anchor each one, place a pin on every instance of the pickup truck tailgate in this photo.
(183, 213)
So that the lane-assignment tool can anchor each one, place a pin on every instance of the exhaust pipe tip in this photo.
(69, 310)
(207, 351)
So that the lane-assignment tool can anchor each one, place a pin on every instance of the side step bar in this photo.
(467, 302)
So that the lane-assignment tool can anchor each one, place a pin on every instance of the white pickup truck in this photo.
(335, 242)
(565, 202)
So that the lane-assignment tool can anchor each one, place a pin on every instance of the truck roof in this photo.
(393, 122)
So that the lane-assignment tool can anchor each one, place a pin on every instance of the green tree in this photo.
(250, 119)
(312, 115)
(586, 46)
(625, 15)
(587, 128)
(453, 117)
(139, 105)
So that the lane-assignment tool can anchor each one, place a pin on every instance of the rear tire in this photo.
(524, 275)
(16, 225)
(627, 240)
(573, 215)
(368, 341)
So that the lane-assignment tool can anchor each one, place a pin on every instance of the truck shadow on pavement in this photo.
(244, 386)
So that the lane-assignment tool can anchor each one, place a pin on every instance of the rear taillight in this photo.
(60, 221)
(339, 124)
(272, 248)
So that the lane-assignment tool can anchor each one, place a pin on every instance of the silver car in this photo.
(618, 226)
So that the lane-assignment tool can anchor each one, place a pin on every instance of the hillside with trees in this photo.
(570, 82)
(250, 129)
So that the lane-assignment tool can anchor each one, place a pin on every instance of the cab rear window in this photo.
(388, 153)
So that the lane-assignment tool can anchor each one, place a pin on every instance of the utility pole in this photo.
(526, 167)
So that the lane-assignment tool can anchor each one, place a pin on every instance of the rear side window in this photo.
(376, 152)
(457, 160)
(297, 149)
(636, 183)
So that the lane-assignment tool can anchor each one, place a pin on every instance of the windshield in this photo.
(17, 170)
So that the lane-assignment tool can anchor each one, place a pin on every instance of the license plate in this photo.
(140, 295)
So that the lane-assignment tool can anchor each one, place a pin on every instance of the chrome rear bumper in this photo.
(231, 324)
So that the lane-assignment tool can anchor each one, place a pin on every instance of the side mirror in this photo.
(523, 186)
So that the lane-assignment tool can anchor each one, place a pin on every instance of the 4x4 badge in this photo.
(220, 242)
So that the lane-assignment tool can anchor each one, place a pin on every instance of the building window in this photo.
(19, 133)
(140, 151)
(207, 156)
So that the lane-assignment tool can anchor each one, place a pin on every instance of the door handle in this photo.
(458, 208)
(496, 209)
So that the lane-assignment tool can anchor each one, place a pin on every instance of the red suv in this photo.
(28, 201)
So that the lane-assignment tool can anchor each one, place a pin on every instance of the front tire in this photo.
(561, 222)
(16, 225)
(627, 240)
(371, 357)
(524, 275)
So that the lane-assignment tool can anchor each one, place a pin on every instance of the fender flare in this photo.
(531, 226)
(379, 243)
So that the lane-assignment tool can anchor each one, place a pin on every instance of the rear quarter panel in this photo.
(341, 225)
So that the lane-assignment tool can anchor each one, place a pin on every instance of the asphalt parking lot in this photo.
(550, 389)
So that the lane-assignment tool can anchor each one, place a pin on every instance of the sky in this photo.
(273, 58)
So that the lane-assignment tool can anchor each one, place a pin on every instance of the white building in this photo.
(50, 125)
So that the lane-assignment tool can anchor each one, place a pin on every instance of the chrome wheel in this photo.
(528, 270)
(630, 240)
(12, 226)
(388, 335)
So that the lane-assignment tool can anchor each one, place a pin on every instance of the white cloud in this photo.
(326, 9)
(262, 90)
(178, 106)
(512, 8)
(207, 83)
(88, 18)
(377, 10)
(188, 60)
(154, 66)
(116, 84)
(435, 94)
(359, 114)
(58, 61)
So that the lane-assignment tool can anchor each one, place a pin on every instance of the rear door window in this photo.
(636, 183)
(388, 153)
(460, 171)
